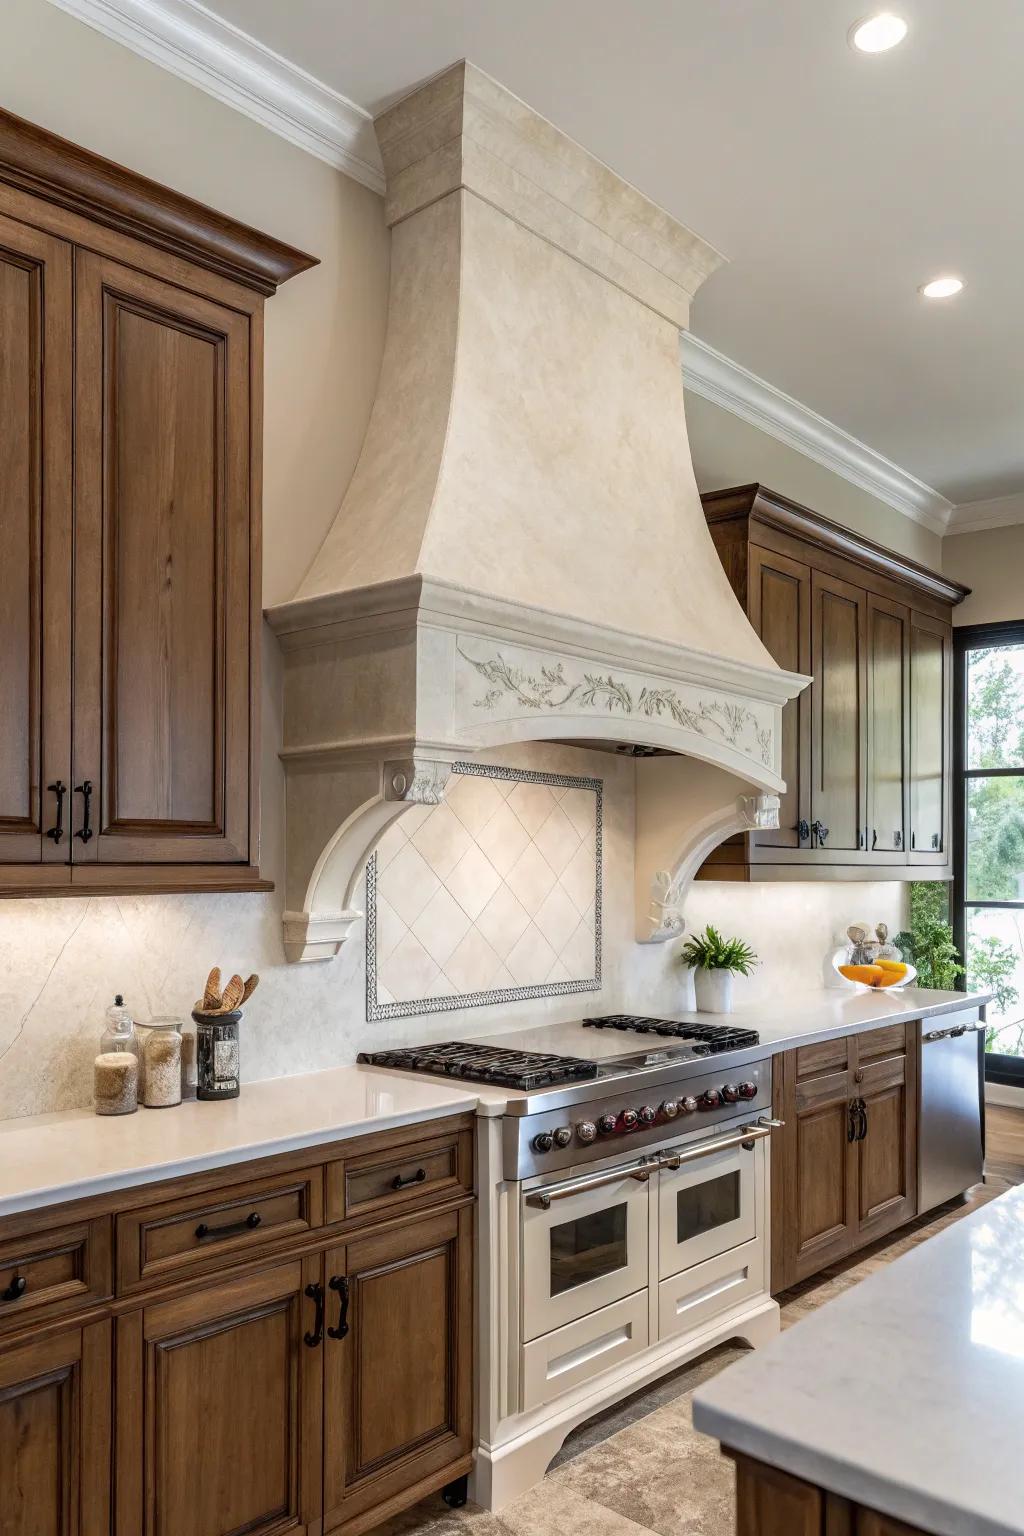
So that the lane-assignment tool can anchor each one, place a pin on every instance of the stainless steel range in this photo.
(623, 1178)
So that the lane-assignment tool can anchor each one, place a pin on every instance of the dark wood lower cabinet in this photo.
(219, 1409)
(295, 1377)
(55, 1435)
(774, 1503)
(844, 1168)
(398, 1382)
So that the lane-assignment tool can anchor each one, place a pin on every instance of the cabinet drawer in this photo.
(887, 1041)
(401, 1177)
(823, 1056)
(205, 1231)
(569, 1356)
(816, 1092)
(57, 1270)
(711, 1289)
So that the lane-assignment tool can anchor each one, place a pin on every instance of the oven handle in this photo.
(745, 1137)
(544, 1197)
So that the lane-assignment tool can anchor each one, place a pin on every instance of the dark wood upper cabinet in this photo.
(130, 456)
(866, 748)
(35, 571)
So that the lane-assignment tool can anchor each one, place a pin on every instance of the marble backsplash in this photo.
(62, 960)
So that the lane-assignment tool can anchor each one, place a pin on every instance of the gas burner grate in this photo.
(496, 1064)
(707, 1039)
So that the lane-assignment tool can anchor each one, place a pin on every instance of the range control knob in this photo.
(730, 1093)
(670, 1109)
(606, 1125)
(710, 1099)
(586, 1130)
(543, 1141)
(747, 1090)
(646, 1114)
(688, 1105)
(628, 1120)
(563, 1136)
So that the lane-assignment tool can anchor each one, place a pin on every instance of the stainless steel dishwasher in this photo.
(951, 1156)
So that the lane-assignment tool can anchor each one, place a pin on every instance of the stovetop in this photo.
(676, 1043)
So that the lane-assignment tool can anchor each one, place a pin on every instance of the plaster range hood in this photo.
(521, 554)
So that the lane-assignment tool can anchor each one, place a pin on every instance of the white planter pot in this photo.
(713, 991)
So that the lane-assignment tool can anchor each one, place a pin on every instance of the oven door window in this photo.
(703, 1207)
(588, 1248)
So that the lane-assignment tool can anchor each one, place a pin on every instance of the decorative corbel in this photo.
(328, 915)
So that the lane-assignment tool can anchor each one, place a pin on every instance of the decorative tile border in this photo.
(376, 1010)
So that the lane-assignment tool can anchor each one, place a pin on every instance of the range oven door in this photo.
(707, 1202)
(585, 1243)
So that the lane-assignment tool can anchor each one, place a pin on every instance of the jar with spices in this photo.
(161, 1058)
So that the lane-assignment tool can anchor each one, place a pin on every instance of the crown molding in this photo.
(194, 44)
(709, 373)
(998, 512)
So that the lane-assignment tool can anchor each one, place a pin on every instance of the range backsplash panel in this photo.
(490, 897)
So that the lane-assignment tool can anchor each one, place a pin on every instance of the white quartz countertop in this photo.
(906, 1393)
(803, 1017)
(47, 1159)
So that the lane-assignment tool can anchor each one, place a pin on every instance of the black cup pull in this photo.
(315, 1293)
(820, 831)
(851, 1120)
(56, 832)
(803, 829)
(863, 1112)
(414, 1178)
(339, 1283)
(206, 1234)
(85, 790)
(16, 1290)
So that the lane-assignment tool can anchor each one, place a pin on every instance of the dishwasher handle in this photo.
(953, 1033)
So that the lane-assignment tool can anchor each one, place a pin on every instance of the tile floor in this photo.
(641, 1467)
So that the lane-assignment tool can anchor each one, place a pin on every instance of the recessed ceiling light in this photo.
(877, 33)
(941, 287)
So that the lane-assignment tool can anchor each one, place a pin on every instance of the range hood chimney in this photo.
(521, 554)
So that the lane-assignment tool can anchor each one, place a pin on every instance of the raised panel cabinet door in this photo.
(398, 1399)
(219, 1408)
(931, 650)
(839, 714)
(814, 1188)
(162, 571)
(780, 610)
(886, 1146)
(55, 1435)
(35, 545)
(888, 729)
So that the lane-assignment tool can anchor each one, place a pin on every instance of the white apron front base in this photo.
(528, 1442)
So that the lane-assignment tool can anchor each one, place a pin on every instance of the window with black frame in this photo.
(988, 890)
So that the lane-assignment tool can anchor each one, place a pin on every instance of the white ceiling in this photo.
(835, 182)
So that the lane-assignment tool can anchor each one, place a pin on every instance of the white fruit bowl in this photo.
(841, 958)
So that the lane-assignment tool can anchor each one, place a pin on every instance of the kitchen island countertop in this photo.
(906, 1392)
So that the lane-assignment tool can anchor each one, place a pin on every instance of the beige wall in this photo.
(729, 451)
(61, 961)
(991, 563)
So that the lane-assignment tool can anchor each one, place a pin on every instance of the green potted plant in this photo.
(714, 961)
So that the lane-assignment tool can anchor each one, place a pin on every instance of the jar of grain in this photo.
(161, 1054)
(116, 1083)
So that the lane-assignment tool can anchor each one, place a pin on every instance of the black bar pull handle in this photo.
(56, 832)
(863, 1120)
(16, 1290)
(339, 1283)
(414, 1178)
(315, 1293)
(803, 829)
(249, 1223)
(820, 831)
(85, 790)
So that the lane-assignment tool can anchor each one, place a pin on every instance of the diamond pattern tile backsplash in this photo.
(491, 896)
